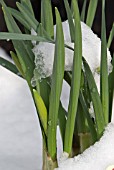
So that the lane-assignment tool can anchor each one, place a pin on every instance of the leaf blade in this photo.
(8, 65)
(104, 69)
(47, 17)
(91, 12)
(56, 86)
(95, 99)
(75, 83)
(42, 111)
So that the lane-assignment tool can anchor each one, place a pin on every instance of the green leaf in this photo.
(28, 4)
(20, 48)
(99, 117)
(104, 89)
(8, 65)
(111, 90)
(17, 63)
(81, 121)
(30, 19)
(17, 15)
(16, 36)
(83, 11)
(91, 12)
(111, 36)
(20, 37)
(89, 120)
(56, 86)
(42, 111)
(62, 120)
(47, 17)
(70, 19)
(75, 83)
(85, 108)
(45, 91)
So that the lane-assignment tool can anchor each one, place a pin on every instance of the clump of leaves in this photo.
(76, 125)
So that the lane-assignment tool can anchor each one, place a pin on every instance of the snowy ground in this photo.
(97, 157)
(20, 136)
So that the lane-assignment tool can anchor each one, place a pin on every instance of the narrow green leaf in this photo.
(42, 111)
(20, 48)
(8, 65)
(45, 91)
(70, 19)
(90, 122)
(111, 36)
(19, 17)
(41, 30)
(31, 20)
(75, 83)
(28, 4)
(99, 117)
(83, 11)
(56, 86)
(20, 37)
(28, 17)
(104, 90)
(47, 17)
(81, 121)
(85, 108)
(17, 63)
(111, 89)
(91, 12)
(62, 120)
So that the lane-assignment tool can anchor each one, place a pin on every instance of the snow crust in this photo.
(91, 50)
(97, 157)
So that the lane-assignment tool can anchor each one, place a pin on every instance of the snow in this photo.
(20, 135)
(21, 141)
(97, 157)
(91, 50)
(65, 96)
(113, 109)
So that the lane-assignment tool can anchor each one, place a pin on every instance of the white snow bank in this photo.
(20, 135)
(97, 157)
(91, 50)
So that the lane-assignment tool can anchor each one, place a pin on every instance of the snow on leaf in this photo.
(91, 50)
